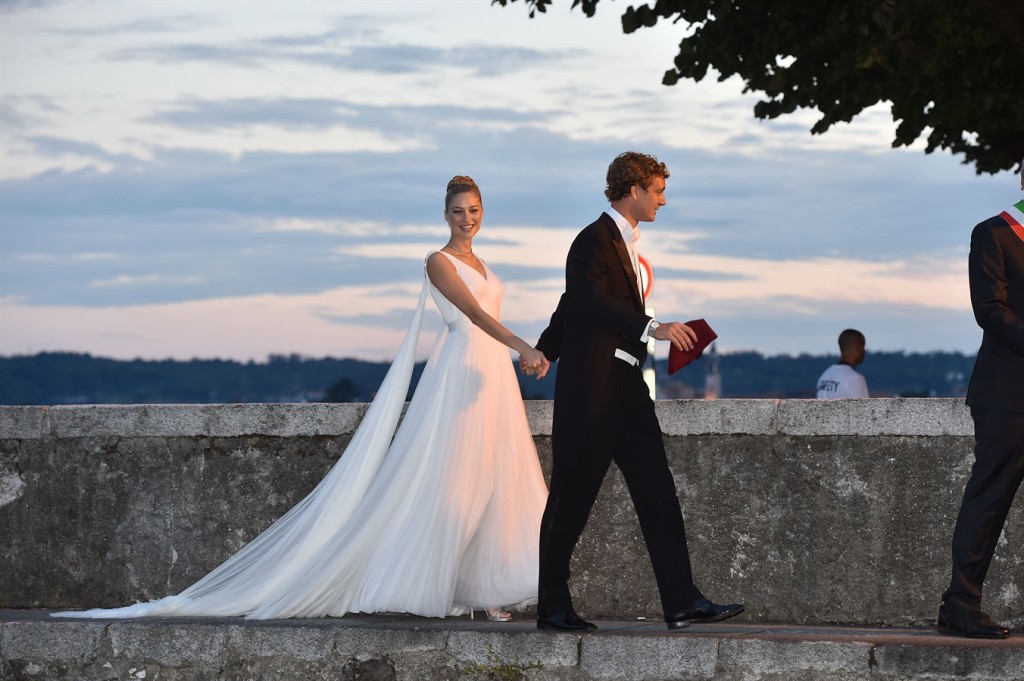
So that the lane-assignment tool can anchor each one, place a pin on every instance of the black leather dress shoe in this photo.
(969, 623)
(701, 612)
(564, 621)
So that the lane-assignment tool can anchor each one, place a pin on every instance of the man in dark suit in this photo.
(603, 410)
(996, 399)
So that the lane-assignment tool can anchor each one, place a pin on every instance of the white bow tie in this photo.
(635, 235)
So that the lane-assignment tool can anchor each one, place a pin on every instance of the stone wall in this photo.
(809, 512)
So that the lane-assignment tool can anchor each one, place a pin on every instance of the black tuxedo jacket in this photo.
(600, 311)
(996, 270)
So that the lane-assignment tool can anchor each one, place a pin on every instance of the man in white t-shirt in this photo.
(842, 380)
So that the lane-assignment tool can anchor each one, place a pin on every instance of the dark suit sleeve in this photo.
(987, 269)
(550, 342)
(587, 272)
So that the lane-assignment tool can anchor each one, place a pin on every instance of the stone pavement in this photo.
(398, 647)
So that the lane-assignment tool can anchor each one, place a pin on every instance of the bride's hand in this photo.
(533, 363)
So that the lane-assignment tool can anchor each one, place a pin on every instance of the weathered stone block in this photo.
(496, 648)
(308, 644)
(67, 642)
(719, 417)
(649, 658)
(871, 417)
(373, 642)
(23, 422)
(171, 645)
(764, 660)
(980, 660)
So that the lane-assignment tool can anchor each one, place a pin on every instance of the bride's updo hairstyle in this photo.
(458, 185)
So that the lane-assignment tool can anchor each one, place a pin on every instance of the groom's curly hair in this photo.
(632, 168)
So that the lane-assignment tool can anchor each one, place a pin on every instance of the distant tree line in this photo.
(70, 378)
(889, 374)
(50, 378)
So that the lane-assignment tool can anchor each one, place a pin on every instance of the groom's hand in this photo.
(532, 362)
(540, 369)
(679, 334)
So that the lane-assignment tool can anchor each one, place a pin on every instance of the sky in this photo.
(235, 179)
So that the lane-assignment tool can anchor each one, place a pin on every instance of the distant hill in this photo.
(70, 378)
(889, 374)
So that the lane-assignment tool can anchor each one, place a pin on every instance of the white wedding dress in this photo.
(441, 518)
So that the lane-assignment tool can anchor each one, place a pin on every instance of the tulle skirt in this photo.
(442, 519)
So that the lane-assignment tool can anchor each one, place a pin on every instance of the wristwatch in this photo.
(653, 328)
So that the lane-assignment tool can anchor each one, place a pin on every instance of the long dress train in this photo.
(441, 518)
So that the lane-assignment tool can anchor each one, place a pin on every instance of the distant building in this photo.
(713, 381)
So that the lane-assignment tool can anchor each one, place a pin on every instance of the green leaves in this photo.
(950, 69)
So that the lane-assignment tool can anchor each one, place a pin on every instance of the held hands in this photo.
(534, 363)
(681, 336)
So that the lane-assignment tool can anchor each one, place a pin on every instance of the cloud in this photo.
(396, 320)
(335, 227)
(12, 6)
(297, 223)
(152, 25)
(289, 113)
(250, 57)
(826, 203)
(12, 118)
(246, 327)
(318, 114)
(18, 113)
(145, 279)
(339, 51)
(698, 275)
(353, 186)
(55, 146)
(49, 257)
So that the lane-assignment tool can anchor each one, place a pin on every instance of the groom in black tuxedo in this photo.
(603, 411)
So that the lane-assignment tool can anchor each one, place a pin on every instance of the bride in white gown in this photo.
(439, 518)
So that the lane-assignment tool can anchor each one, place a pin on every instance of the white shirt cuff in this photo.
(647, 332)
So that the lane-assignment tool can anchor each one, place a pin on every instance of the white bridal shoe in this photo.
(495, 615)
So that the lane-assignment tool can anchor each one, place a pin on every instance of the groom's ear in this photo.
(634, 192)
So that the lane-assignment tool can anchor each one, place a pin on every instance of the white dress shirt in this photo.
(630, 235)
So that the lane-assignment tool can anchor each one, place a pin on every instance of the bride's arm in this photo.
(443, 276)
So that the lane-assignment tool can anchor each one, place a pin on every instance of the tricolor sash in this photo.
(1014, 217)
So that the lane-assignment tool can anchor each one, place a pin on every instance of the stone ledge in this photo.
(718, 417)
(403, 647)
(872, 417)
(180, 420)
(847, 523)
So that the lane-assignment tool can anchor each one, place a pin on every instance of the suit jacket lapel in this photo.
(623, 253)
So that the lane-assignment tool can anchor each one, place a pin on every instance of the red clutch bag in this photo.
(677, 359)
